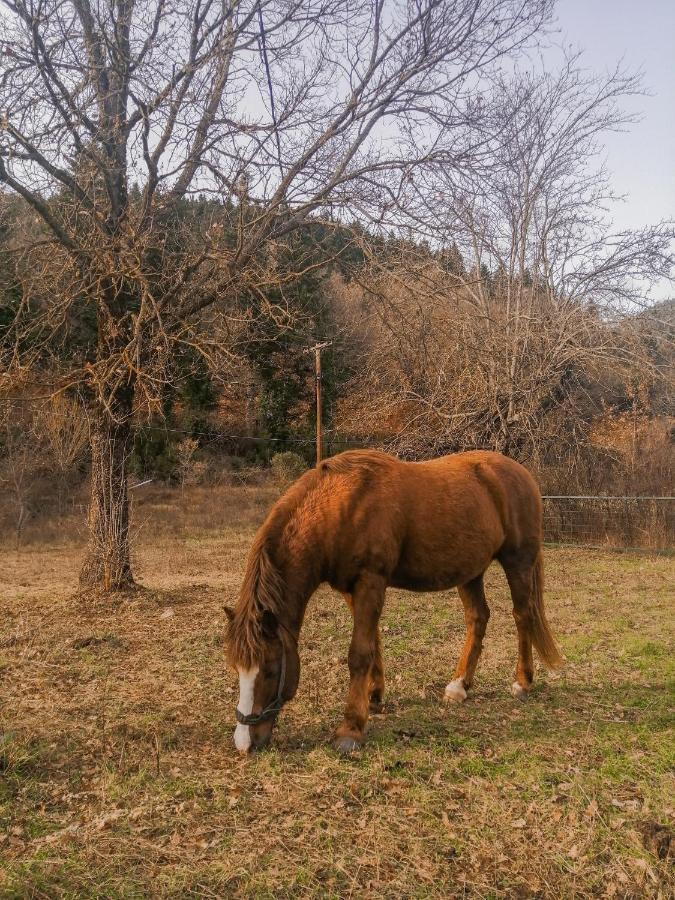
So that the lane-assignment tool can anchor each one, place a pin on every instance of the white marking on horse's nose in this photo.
(242, 733)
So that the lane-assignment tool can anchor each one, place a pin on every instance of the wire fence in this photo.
(640, 523)
(617, 522)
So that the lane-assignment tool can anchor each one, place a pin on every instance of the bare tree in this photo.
(20, 461)
(61, 428)
(495, 345)
(116, 112)
(41, 445)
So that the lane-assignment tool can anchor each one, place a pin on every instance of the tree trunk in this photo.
(107, 563)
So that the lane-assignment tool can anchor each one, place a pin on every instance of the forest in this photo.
(427, 355)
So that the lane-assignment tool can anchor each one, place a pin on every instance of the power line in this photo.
(216, 435)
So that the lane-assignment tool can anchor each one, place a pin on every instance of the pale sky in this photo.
(642, 32)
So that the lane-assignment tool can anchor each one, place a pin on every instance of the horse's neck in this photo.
(300, 570)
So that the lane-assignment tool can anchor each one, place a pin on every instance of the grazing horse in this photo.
(363, 521)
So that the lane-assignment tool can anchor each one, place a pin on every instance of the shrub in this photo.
(154, 454)
(287, 466)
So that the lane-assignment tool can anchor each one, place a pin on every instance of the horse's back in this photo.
(515, 494)
(467, 475)
(435, 523)
(459, 485)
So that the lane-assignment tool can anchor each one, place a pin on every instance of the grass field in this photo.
(119, 779)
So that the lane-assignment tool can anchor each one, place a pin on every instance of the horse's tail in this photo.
(542, 636)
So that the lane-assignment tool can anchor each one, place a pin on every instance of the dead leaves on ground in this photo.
(117, 754)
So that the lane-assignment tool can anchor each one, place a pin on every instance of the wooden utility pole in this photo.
(316, 350)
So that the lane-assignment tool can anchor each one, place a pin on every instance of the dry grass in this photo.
(119, 777)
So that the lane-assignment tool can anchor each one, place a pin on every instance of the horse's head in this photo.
(268, 678)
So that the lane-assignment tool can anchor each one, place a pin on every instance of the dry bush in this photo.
(190, 470)
(61, 425)
(43, 450)
(287, 466)
(20, 465)
(437, 370)
(641, 448)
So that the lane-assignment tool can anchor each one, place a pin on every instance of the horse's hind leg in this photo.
(476, 615)
(519, 577)
(367, 602)
(376, 690)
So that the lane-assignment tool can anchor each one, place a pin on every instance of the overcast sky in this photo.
(642, 161)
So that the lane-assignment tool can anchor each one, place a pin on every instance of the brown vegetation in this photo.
(114, 117)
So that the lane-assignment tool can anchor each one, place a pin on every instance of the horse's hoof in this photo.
(375, 707)
(519, 692)
(347, 745)
(455, 692)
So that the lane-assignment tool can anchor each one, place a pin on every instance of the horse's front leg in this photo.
(376, 690)
(367, 602)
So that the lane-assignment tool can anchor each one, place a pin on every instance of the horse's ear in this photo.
(269, 624)
(229, 612)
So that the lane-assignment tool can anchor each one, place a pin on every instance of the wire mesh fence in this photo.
(44, 506)
(619, 522)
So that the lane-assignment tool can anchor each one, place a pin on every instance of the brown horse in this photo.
(362, 521)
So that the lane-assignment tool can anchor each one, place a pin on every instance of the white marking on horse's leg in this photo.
(519, 691)
(456, 691)
(242, 733)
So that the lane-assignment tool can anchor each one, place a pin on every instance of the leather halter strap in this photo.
(274, 708)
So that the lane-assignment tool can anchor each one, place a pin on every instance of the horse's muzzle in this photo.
(249, 738)
(261, 741)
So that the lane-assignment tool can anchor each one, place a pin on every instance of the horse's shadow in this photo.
(492, 718)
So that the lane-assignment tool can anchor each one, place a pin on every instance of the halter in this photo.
(273, 709)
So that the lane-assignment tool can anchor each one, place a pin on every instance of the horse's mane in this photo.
(364, 460)
(261, 591)
(263, 587)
